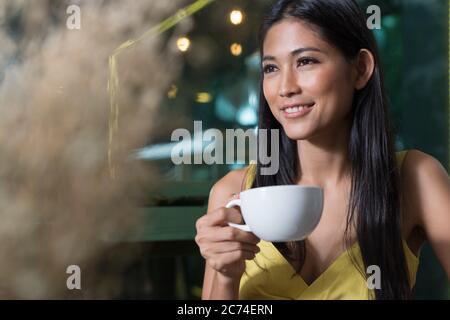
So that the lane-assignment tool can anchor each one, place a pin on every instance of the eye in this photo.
(269, 68)
(306, 61)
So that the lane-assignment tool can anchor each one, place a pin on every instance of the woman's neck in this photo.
(323, 160)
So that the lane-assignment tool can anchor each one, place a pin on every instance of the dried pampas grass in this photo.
(57, 200)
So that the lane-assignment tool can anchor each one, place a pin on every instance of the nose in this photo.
(289, 85)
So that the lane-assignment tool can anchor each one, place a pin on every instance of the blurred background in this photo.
(86, 117)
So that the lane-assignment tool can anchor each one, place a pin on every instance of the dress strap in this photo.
(401, 155)
(250, 175)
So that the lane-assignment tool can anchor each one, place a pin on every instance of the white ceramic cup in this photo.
(280, 213)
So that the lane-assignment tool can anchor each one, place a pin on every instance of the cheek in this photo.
(269, 90)
(319, 82)
(331, 87)
(270, 93)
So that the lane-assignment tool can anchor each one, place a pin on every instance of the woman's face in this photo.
(307, 83)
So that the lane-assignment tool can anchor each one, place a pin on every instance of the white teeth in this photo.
(294, 109)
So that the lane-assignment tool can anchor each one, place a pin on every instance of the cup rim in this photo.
(301, 186)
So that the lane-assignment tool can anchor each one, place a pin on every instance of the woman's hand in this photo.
(225, 248)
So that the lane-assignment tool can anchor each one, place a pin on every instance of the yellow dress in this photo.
(271, 276)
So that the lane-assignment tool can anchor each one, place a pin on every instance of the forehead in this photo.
(291, 34)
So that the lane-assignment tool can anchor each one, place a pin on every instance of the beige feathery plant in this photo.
(57, 200)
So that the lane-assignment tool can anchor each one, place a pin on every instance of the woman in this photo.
(322, 87)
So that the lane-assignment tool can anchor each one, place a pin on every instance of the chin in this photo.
(297, 134)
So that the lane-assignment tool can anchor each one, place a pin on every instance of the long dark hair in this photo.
(375, 197)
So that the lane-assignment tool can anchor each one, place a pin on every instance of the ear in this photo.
(364, 67)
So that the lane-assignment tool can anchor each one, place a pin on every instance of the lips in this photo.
(297, 110)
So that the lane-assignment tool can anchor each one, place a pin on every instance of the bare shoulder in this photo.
(427, 187)
(423, 178)
(224, 188)
(420, 168)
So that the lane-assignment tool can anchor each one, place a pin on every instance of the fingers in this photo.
(234, 234)
(222, 249)
(222, 245)
(230, 246)
(221, 234)
(221, 217)
(224, 262)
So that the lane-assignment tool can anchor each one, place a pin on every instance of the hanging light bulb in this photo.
(236, 17)
(236, 49)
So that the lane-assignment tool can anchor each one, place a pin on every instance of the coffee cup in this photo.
(280, 213)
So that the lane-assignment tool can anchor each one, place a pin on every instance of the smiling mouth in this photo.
(297, 108)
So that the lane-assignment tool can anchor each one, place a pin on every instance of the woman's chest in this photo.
(336, 232)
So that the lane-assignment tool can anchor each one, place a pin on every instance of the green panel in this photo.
(182, 189)
(165, 224)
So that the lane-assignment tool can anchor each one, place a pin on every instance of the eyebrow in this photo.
(294, 52)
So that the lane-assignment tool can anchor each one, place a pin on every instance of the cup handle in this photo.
(243, 227)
